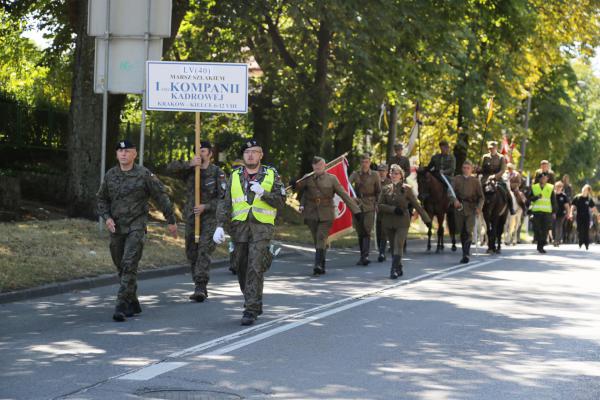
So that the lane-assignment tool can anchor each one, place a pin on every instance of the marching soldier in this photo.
(384, 179)
(543, 206)
(123, 204)
(401, 160)
(393, 205)
(494, 164)
(467, 197)
(544, 169)
(253, 195)
(212, 190)
(317, 207)
(367, 188)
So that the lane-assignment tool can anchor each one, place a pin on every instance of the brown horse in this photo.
(495, 212)
(436, 204)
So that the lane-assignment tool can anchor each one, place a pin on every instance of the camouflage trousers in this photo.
(199, 253)
(126, 252)
(251, 260)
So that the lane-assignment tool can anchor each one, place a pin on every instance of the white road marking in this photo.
(152, 371)
(231, 343)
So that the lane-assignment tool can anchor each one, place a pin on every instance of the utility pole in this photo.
(392, 132)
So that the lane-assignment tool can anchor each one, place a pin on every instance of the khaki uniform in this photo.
(514, 179)
(318, 204)
(123, 196)
(379, 233)
(444, 164)
(367, 187)
(251, 239)
(403, 162)
(213, 184)
(393, 198)
(495, 165)
(469, 192)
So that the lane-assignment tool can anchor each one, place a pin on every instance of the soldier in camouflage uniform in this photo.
(213, 185)
(367, 187)
(123, 203)
(253, 195)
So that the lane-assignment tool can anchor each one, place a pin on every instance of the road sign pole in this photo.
(104, 103)
(147, 46)
(197, 198)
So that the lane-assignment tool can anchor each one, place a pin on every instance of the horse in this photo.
(513, 224)
(436, 204)
(495, 212)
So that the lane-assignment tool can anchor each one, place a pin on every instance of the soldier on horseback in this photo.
(493, 164)
(442, 163)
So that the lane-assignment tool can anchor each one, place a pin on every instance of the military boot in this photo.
(465, 252)
(360, 246)
(381, 257)
(318, 269)
(248, 318)
(135, 306)
(200, 293)
(121, 311)
(393, 271)
(323, 259)
(364, 252)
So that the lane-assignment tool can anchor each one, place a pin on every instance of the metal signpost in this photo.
(128, 33)
(197, 87)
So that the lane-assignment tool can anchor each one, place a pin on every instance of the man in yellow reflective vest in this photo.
(543, 206)
(253, 195)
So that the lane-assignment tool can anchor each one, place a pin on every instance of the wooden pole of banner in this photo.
(197, 181)
(329, 164)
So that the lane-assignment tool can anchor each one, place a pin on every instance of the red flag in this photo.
(505, 149)
(343, 216)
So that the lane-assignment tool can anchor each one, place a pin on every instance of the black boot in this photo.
(360, 246)
(200, 292)
(466, 246)
(364, 255)
(248, 318)
(135, 306)
(318, 270)
(121, 310)
(396, 270)
(382, 244)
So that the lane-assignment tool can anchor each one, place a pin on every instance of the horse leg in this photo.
(429, 239)
(491, 237)
(440, 234)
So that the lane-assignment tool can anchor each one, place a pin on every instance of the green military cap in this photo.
(398, 146)
(365, 156)
(468, 162)
(444, 142)
(492, 143)
(382, 167)
(317, 159)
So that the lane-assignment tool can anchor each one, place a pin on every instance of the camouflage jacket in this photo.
(212, 182)
(124, 195)
(251, 229)
(443, 163)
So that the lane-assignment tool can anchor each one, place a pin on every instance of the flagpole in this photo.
(328, 165)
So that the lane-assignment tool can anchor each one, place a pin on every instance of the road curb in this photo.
(109, 279)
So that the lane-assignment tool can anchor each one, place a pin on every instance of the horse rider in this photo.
(441, 164)
(494, 164)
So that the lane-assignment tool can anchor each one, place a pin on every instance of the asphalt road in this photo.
(515, 326)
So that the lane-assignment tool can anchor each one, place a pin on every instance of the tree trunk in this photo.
(85, 116)
(462, 138)
(319, 93)
(262, 107)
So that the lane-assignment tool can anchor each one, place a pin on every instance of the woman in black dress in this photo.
(583, 203)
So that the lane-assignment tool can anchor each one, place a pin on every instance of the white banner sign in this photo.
(202, 87)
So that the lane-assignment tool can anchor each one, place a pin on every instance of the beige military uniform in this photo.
(367, 186)
(470, 194)
(393, 207)
(493, 165)
(403, 162)
(318, 193)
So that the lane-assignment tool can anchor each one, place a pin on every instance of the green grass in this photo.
(40, 252)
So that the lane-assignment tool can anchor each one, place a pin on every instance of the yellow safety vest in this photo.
(544, 203)
(262, 211)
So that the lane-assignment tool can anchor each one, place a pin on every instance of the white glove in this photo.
(219, 236)
(256, 188)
